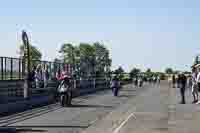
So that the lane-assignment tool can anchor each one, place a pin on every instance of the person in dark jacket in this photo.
(178, 81)
(182, 83)
(32, 77)
(173, 81)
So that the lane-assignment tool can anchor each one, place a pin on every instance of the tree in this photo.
(148, 70)
(149, 73)
(35, 54)
(103, 61)
(134, 72)
(119, 72)
(68, 54)
(168, 70)
(88, 59)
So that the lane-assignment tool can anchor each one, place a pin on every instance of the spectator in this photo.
(173, 81)
(198, 82)
(178, 81)
(38, 76)
(194, 86)
(182, 82)
(158, 79)
(45, 74)
(136, 81)
(58, 74)
(32, 77)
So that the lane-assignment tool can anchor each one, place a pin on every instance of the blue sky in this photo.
(139, 33)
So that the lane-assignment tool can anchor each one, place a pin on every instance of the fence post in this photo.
(2, 68)
(5, 67)
(19, 69)
(11, 68)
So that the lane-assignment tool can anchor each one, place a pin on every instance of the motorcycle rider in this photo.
(65, 80)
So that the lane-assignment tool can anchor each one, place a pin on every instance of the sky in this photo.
(139, 33)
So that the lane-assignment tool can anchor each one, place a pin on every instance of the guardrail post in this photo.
(5, 67)
(11, 68)
(2, 68)
(19, 69)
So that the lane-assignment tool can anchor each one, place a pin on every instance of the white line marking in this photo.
(124, 122)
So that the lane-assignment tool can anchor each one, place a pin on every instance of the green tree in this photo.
(119, 73)
(35, 54)
(89, 59)
(149, 73)
(103, 61)
(168, 70)
(119, 70)
(134, 72)
(148, 70)
(68, 53)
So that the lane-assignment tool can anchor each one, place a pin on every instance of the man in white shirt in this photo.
(194, 85)
(198, 82)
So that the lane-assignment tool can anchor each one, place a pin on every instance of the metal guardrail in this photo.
(14, 68)
(11, 68)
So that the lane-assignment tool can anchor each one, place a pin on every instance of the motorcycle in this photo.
(65, 93)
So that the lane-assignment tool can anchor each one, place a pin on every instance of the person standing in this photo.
(115, 85)
(136, 81)
(45, 75)
(38, 76)
(178, 81)
(198, 82)
(158, 79)
(32, 77)
(182, 83)
(194, 86)
(173, 81)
